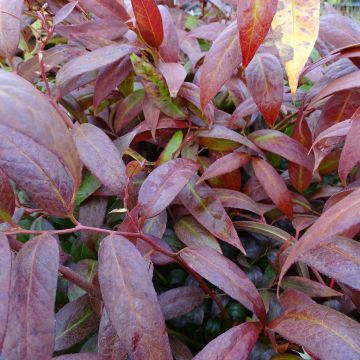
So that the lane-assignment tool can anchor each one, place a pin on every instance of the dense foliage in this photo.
(179, 180)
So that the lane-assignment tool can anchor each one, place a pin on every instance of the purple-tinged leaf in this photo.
(174, 75)
(191, 233)
(254, 20)
(5, 275)
(350, 155)
(74, 322)
(180, 301)
(179, 349)
(322, 331)
(163, 184)
(31, 323)
(110, 77)
(106, 9)
(264, 77)
(64, 12)
(81, 356)
(340, 218)
(220, 63)
(225, 164)
(109, 344)
(7, 198)
(309, 287)
(10, 26)
(274, 186)
(208, 31)
(131, 301)
(200, 200)
(234, 344)
(72, 75)
(100, 156)
(227, 276)
(151, 114)
(169, 49)
(283, 145)
(37, 134)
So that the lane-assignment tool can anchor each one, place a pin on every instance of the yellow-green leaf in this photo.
(295, 29)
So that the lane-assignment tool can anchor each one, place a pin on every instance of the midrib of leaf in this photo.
(148, 19)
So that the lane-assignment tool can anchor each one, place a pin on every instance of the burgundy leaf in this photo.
(149, 21)
(225, 164)
(81, 356)
(324, 332)
(31, 323)
(83, 69)
(283, 145)
(106, 9)
(264, 77)
(5, 274)
(131, 301)
(10, 20)
(151, 114)
(74, 322)
(179, 349)
(200, 200)
(274, 186)
(309, 287)
(163, 184)
(220, 63)
(207, 31)
(234, 344)
(180, 301)
(191, 233)
(64, 12)
(254, 20)
(174, 74)
(37, 133)
(7, 198)
(100, 156)
(169, 49)
(227, 276)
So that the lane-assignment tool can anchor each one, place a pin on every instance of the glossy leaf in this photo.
(148, 21)
(220, 63)
(36, 148)
(225, 164)
(224, 274)
(191, 233)
(180, 301)
(264, 77)
(5, 274)
(100, 156)
(7, 198)
(74, 322)
(135, 314)
(10, 26)
(83, 69)
(200, 200)
(254, 19)
(295, 29)
(273, 185)
(234, 344)
(156, 88)
(106, 8)
(333, 335)
(163, 184)
(35, 278)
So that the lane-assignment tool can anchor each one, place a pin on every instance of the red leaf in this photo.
(149, 21)
(274, 186)
(264, 77)
(10, 20)
(7, 198)
(350, 156)
(283, 145)
(254, 19)
(100, 156)
(131, 300)
(234, 344)
(5, 273)
(227, 276)
(31, 324)
(163, 184)
(322, 331)
(180, 301)
(225, 164)
(200, 200)
(151, 114)
(220, 63)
